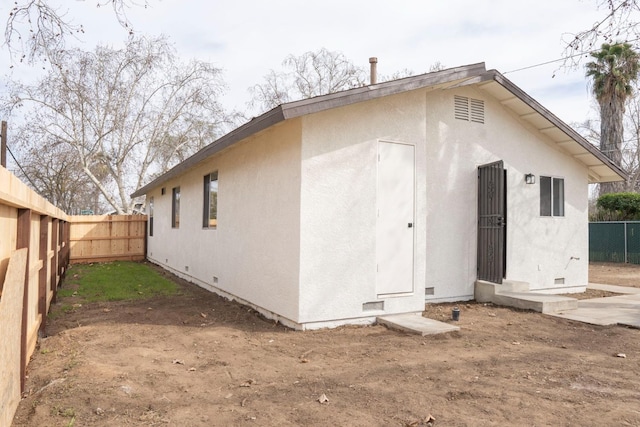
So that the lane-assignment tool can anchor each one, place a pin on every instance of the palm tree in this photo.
(613, 71)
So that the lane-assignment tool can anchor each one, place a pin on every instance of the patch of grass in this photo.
(58, 310)
(64, 412)
(115, 281)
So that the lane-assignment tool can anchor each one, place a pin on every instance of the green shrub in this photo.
(619, 206)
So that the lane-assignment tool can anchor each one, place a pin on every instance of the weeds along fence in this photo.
(614, 241)
(34, 255)
(103, 238)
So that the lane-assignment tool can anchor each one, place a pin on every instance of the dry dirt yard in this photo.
(200, 360)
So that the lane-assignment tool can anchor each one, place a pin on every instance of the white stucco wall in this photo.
(539, 249)
(254, 251)
(338, 206)
(297, 210)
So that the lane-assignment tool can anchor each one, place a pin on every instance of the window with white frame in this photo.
(551, 196)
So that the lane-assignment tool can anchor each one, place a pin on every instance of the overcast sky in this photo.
(247, 39)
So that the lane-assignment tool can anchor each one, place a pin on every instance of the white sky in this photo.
(248, 38)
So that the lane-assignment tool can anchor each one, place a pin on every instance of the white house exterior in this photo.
(363, 203)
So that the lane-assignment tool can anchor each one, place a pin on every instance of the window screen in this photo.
(551, 196)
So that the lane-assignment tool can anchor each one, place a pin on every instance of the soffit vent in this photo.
(468, 109)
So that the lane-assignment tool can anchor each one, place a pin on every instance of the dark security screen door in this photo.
(491, 222)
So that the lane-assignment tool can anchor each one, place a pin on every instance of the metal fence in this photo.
(615, 241)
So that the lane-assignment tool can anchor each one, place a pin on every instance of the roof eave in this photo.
(252, 127)
(568, 130)
(314, 105)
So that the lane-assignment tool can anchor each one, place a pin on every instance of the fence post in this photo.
(23, 240)
(42, 276)
(626, 260)
(54, 260)
(3, 144)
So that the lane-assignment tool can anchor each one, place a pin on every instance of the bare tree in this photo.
(36, 29)
(620, 23)
(130, 113)
(311, 74)
(55, 172)
(631, 145)
(315, 73)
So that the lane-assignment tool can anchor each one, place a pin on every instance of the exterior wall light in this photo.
(530, 178)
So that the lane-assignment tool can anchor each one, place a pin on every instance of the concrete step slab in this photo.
(513, 286)
(415, 323)
(543, 303)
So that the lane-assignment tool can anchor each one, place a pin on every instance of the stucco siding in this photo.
(338, 206)
(539, 249)
(254, 251)
(298, 210)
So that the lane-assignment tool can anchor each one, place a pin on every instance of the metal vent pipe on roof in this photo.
(374, 69)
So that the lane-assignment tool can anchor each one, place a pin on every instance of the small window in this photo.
(175, 207)
(551, 196)
(210, 201)
(150, 216)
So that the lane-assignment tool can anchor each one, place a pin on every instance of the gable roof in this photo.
(601, 169)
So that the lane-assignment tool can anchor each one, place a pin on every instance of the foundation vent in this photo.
(468, 109)
(215, 280)
(558, 281)
(373, 306)
(429, 291)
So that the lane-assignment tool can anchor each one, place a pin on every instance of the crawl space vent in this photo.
(373, 306)
(468, 109)
(558, 281)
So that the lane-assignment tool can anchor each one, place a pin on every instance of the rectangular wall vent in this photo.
(215, 280)
(558, 281)
(429, 291)
(373, 306)
(461, 107)
(468, 109)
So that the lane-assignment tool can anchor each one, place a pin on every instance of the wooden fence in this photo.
(102, 238)
(34, 254)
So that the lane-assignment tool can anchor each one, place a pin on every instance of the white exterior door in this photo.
(395, 224)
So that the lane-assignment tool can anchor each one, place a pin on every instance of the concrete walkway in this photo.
(622, 310)
(617, 310)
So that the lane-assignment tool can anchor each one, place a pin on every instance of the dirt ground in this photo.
(200, 360)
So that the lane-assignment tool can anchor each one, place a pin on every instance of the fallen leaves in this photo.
(248, 383)
(303, 356)
(428, 421)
